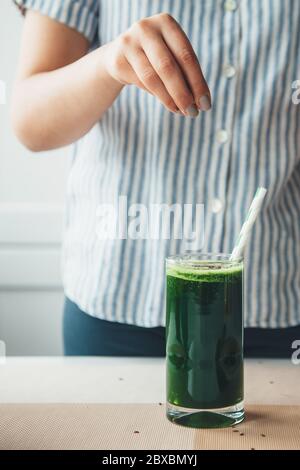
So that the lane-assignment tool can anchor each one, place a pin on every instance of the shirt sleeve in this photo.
(82, 15)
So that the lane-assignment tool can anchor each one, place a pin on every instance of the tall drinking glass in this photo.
(204, 333)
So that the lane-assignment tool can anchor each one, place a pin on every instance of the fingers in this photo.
(167, 69)
(156, 55)
(146, 74)
(181, 48)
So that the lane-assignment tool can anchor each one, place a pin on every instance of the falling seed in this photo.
(136, 432)
(120, 378)
(235, 430)
(263, 435)
(271, 382)
(160, 403)
(241, 434)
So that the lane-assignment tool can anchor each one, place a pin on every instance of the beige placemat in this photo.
(142, 426)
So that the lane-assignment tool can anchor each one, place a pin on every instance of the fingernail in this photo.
(205, 103)
(192, 111)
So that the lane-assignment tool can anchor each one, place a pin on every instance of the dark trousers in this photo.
(88, 336)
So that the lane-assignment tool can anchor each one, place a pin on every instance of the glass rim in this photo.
(199, 259)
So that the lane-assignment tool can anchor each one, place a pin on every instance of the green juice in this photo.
(204, 331)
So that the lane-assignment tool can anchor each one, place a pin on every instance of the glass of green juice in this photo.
(204, 340)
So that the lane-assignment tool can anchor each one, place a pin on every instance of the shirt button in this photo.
(230, 5)
(229, 71)
(216, 205)
(222, 136)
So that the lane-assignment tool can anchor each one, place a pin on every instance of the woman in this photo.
(158, 141)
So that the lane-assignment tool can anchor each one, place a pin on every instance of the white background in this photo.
(31, 207)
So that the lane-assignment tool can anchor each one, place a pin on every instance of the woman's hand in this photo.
(61, 90)
(156, 55)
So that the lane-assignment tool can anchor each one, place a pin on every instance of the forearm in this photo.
(55, 108)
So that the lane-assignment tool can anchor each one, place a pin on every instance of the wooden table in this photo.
(112, 403)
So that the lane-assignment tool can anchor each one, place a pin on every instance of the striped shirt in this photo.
(250, 55)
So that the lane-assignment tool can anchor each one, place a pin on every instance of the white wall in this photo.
(31, 204)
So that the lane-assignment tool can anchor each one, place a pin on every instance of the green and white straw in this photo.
(248, 224)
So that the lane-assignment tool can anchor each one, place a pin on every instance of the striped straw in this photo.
(248, 224)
